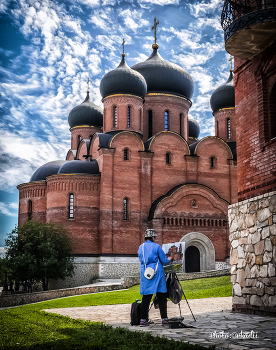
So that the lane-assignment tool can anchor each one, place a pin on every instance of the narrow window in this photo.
(180, 124)
(150, 122)
(30, 210)
(128, 116)
(272, 113)
(212, 162)
(125, 209)
(115, 116)
(166, 120)
(79, 139)
(71, 206)
(217, 129)
(168, 158)
(228, 129)
(126, 155)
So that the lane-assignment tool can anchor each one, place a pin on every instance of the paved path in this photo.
(214, 325)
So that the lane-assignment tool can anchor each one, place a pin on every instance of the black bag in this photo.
(175, 290)
(135, 313)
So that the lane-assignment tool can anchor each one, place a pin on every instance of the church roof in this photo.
(224, 95)
(194, 128)
(47, 169)
(80, 167)
(123, 80)
(87, 113)
(165, 77)
(65, 167)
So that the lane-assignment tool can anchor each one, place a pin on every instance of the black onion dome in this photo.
(87, 113)
(224, 95)
(194, 128)
(123, 80)
(165, 77)
(79, 167)
(47, 169)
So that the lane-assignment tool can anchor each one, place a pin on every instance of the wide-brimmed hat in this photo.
(150, 233)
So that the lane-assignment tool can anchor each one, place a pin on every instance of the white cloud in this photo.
(91, 3)
(133, 19)
(4, 208)
(4, 5)
(160, 2)
(201, 8)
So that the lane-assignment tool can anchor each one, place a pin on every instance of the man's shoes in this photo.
(144, 323)
(165, 321)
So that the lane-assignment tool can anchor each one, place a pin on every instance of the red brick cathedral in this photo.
(139, 164)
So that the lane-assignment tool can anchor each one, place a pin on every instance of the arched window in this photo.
(125, 209)
(228, 129)
(272, 114)
(126, 154)
(128, 116)
(150, 122)
(168, 158)
(180, 124)
(79, 139)
(71, 206)
(167, 121)
(212, 162)
(115, 123)
(30, 210)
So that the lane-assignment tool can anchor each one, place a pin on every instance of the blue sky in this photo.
(49, 48)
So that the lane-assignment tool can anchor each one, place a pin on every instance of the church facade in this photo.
(139, 164)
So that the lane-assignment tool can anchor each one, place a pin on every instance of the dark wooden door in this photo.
(192, 259)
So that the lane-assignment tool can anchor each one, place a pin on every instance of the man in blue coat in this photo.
(151, 255)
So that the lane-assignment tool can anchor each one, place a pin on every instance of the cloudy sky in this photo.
(49, 48)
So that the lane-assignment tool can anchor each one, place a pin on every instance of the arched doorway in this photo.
(192, 259)
(205, 248)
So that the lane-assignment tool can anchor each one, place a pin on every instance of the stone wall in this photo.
(252, 256)
(84, 274)
(118, 269)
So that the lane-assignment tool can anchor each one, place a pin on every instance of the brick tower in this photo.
(250, 33)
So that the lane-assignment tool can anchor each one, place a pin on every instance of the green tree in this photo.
(40, 252)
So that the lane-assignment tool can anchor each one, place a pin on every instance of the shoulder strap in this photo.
(144, 255)
(145, 260)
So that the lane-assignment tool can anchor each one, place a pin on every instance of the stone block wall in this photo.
(253, 254)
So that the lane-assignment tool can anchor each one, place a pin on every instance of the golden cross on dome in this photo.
(88, 84)
(123, 45)
(231, 63)
(154, 27)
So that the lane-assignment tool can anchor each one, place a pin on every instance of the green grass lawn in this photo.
(28, 327)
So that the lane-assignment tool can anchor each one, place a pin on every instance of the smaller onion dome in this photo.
(87, 113)
(123, 80)
(79, 167)
(224, 95)
(47, 169)
(194, 128)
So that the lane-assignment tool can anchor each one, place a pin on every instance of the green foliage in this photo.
(194, 289)
(25, 328)
(39, 251)
(5, 271)
(29, 328)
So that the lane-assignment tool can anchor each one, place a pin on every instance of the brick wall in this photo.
(256, 153)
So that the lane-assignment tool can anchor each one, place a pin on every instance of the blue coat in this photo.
(153, 252)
